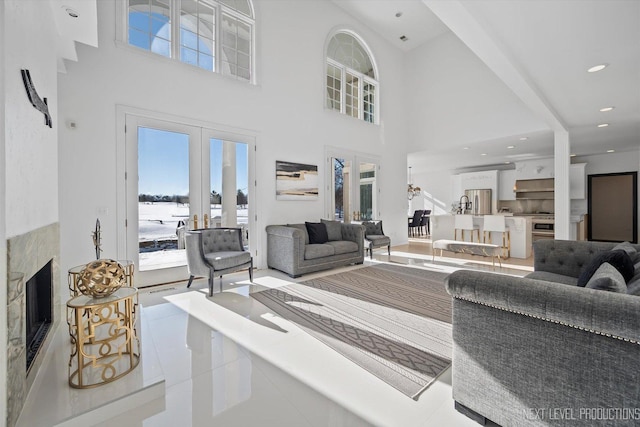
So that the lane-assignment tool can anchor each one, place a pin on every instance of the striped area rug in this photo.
(393, 321)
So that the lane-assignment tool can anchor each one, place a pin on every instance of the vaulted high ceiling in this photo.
(541, 51)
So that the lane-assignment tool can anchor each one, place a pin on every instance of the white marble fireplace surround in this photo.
(27, 254)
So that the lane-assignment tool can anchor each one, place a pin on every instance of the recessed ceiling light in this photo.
(506, 163)
(511, 147)
(597, 68)
(603, 125)
(398, 14)
(524, 138)
(465, 148)
(611, 151)
(483, 154)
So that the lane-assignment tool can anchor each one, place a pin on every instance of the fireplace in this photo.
(33, 308)
(38, 313)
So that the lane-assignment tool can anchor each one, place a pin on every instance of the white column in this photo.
(229, 217)
(562, 199)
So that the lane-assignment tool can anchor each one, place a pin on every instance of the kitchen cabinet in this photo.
(506, 183)
(577, 181)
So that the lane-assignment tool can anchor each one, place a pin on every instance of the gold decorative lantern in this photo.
(101, 278)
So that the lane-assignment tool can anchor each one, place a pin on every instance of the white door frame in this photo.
(123, 158)
(354, 182)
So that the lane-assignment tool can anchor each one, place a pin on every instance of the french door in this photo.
(179, 177)
(352, 190)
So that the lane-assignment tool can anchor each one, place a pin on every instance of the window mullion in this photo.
(343, 89)
(175, 11)
(217, 43)
(361, 98)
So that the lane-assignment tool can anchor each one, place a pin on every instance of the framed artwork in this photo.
(296, 181)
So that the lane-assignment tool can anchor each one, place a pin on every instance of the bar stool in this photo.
(497, 223)
(465, 222)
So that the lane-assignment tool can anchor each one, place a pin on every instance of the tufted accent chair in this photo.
(216, 251)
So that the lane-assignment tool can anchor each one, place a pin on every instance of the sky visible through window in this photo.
(163, 163)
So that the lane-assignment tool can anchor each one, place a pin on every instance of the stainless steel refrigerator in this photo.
(480, 201)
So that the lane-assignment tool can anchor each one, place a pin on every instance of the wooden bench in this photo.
(471, 248)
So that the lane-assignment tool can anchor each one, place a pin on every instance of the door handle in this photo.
(195, 222)
(206, 221)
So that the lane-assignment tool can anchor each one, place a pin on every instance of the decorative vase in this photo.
(101, 278)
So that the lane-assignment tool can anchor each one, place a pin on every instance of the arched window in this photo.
(214, 35)
(352, 85)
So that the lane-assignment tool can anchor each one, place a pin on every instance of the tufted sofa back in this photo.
(566, 257)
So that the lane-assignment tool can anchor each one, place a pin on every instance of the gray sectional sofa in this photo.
(542, 351)
(289, 248)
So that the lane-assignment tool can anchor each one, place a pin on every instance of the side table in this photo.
(103, 336)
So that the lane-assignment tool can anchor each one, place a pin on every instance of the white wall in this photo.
(31, 147)
(285, 111)
(28, 148)
(437, 191)
(3, 234)
(454, 99)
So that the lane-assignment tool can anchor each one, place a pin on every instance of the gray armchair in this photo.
(374, 237)
(216, 251)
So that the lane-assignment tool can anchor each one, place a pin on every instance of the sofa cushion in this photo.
(303, 228)
(343, 246)
(334, 229)
(313, 251)
(607, 278)
(553, 277)
(617, 258)
(372, 228)
(317, 232)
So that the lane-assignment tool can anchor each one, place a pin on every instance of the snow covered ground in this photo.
(159, 220)
(157, 234)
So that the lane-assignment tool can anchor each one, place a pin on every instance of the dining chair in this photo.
(415, 221)
(424, 223)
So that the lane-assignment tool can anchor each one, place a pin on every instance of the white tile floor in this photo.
(228, 361)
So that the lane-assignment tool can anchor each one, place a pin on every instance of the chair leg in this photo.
(190, 280)
(389, 249)
(211, 280)
(251, 271)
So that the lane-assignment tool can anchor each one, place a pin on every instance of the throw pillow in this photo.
(628, 248)
(607, 278)
(334, 229)
(618, 259)
(317, 232)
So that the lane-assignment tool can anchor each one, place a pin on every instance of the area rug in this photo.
(394, 321)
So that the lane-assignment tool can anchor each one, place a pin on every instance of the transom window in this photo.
(351, 86)
(214, 35)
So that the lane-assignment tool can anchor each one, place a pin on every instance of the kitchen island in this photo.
(442, 227)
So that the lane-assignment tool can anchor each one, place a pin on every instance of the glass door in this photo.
(167, 198)
(352, 192)
(188, 177)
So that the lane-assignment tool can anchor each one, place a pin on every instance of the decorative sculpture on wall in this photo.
(97, 238)
(36, 101)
